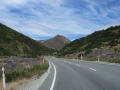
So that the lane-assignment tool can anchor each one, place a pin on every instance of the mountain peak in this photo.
(59, 35)
(57, 42)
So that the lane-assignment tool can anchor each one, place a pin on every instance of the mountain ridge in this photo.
(100, 42)
(13, 43)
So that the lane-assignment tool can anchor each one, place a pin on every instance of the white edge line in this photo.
(92, 69)
(103, 63)
(53, 82)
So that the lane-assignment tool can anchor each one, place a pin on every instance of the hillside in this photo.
(13, 43)
(102, 40)
(58, 42)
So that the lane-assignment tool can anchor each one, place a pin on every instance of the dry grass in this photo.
(1, 63)
(12, 85)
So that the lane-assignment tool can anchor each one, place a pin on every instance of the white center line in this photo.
(77, 64)
(92, 69)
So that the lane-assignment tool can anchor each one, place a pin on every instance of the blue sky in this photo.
(43, 19)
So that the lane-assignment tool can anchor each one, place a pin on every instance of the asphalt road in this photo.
(81, 75)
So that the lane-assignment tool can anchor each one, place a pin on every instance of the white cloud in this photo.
(13, 2)
(51, 17)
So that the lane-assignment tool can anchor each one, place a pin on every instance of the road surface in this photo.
(81, 75)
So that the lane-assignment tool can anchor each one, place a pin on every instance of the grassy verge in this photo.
(24, 74)
(36, 69)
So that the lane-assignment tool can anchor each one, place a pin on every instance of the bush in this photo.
(13, 75)
(88, 51)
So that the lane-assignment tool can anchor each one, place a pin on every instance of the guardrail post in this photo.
(3, 76)
(98, 59)
(43, 60)
(81, 56)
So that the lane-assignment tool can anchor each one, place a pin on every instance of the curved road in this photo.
(81, 75)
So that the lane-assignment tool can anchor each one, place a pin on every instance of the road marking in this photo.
(70, 62)
(92, 69)
(53, 83)
(77, 64)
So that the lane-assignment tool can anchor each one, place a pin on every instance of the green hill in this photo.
(13, 43)
(108, 39)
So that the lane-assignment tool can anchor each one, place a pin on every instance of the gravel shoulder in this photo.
(34, 83)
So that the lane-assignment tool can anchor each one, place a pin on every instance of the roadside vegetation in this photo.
(35, 69)
(22, 68)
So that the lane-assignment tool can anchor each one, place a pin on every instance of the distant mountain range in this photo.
(13, 43)
(57, 42)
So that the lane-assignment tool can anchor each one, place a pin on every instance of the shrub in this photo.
(88, 51)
